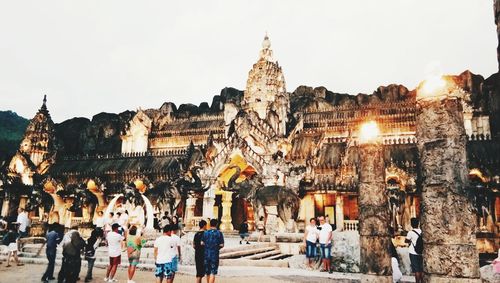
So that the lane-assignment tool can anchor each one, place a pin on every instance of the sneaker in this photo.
(130, 281)
(112, 280)
(248, 243)
(240, 242)
(106, 279)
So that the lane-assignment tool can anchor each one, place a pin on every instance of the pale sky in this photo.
(110, 56)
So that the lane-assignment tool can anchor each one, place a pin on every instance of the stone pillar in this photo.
(227, 202)
(374, 216)
(447, 219)
(339, 212)
(208, 203)
(5, 207)
(190, 205)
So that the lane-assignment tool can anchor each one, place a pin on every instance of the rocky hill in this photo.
(12, 128)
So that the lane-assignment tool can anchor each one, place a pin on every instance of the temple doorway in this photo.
(230, 208)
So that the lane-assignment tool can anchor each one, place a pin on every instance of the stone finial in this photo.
(266, 53)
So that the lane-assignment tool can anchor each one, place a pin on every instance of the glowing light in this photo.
(139, 184)
(434, 86)
(369, 132)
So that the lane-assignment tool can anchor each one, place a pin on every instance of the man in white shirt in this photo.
(416, 260)
(177, 240)
(325, 242)
(114, 240)
(164, 252)
(22, 219)
(99, 220)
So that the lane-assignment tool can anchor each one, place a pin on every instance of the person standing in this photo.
(99, 221)
(213, 241)
(396, 272)
(164, 252)
(310, 239)
(10, 240)
(93, 243)
(53, 239)
(177, 241)
(325, 242)
(73, 245)
(134, 246)
(199, 251)
(23, 220)
(114, 239)
(413, 238)
(244, 232)
(260, 228)
(165, 220)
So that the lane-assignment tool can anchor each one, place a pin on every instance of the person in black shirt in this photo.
(244, 231)
(199, 251)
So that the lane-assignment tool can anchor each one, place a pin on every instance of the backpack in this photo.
(419, 246)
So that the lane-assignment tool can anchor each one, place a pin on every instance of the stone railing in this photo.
(351, 225)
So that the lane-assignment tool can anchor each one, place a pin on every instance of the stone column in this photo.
(5, 207)
(227, 202)
(447, 219)
(208, 203)
(339, 212)
(373, 216)
(190, 205)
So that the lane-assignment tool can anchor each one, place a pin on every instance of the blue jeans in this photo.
(49, 272)
(310, 249)
(326, 250)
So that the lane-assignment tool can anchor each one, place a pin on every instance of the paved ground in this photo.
(32, 273)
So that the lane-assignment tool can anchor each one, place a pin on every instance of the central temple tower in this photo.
(265, 91)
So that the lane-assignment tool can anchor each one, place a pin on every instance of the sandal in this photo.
(20, 264)
(8, 265)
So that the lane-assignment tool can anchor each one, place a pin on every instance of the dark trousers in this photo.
(49, 272)
(70, 269)
(90, 266)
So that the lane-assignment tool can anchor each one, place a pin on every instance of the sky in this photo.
(110, 56)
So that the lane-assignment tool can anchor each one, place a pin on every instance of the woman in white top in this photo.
(310, 239)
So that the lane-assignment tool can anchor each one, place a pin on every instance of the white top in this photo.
(412, 236)
(123, 219)
(312, 233)
(114, 244)
(325, 231)
(177, 241)
(99, 222)
(23, 221)
(167, 249)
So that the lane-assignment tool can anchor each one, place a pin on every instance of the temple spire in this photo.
(266, 53)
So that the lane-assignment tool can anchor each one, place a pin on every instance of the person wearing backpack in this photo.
(415, 249)
(92, 244)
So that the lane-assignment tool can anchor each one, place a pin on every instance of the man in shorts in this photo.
(164, 252)
(199, 251)
(213, 241)
(325, 242)
(114, 239)
(416, 260)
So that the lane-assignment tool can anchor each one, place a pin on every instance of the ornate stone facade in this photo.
(262, 152)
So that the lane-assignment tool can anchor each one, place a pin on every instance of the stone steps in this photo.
(265, 255)
(246, 252)
(251, 262)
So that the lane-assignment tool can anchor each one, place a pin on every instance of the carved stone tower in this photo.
(38, 141)
(265, 91)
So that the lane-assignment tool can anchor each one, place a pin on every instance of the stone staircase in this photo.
(258, 255)
(261, 255)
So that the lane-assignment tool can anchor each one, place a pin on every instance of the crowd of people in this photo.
(119, 236)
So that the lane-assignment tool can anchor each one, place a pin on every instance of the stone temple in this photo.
(286, 156)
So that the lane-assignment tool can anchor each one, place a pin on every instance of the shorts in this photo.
(310, 249)
(211, 266)
(326, 250)
(133, 261)
(200, 266)
(164, 270)
(417, 263)
(244, 235)
(117, 260)
(13, 247)
(175, 263)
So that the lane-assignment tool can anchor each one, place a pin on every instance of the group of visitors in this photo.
(319, 233)
(207, 244)
(12, 233)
